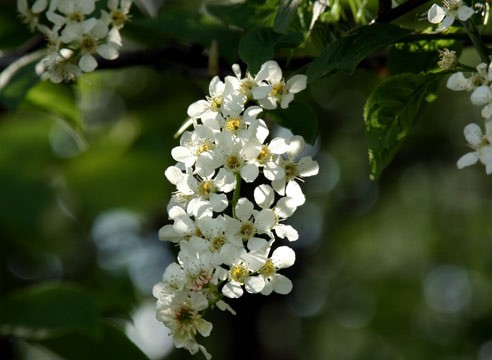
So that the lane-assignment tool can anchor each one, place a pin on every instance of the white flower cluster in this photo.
(226, 242)
(445, 16)
(480, 86)
(75, 32)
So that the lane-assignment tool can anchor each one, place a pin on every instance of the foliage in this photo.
(83, 157)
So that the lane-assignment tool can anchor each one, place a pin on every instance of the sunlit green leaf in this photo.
(300, 118)
(58, 99)
(286, 13)
(45, 310)
(347, 52)
(258, 45)
(390, 112)
(112, 343)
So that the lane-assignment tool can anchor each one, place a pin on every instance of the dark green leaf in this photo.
(286, 12)
(419, 56)
(244, 15)
(300, 118)
(389, 114)
(258, 45)
(48, 309)
(347, 52)
(111, 344)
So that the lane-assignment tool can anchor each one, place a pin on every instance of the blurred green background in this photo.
(398, 269)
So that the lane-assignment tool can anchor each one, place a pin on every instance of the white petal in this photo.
(447, 22)
(232, 290)
(307, 167)
(264, 196)
(465, 12)
(278, 145)
(261, 92)
(296, 83)
(281, 284)
(286, 231)
(436, 14)
(87, 63)
(173, 174)
(286, 100)
(468, 159)
(204, 327)
(107, 51)
(197, 108)
(294, 191)
(296, 145)
(254, 284)
(184, 155)
(244, 209)
(249, 172)
(481, 95)
(265, 220)
(458, 82)
(283, 257)
(473, 134)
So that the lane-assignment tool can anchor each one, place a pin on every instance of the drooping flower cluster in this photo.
(479, 84)
(227, 241)
(75, 32)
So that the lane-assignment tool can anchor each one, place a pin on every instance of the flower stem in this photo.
(480, 46)
(237, 193)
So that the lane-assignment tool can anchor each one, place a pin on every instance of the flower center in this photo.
(185, 314)
(290, 171)
(264, 155)
(118, 18)
(233, 124)
(206, 146)
(247, 230)
(75, 17)
(206, 187)
(268, 269)
(218, 242)
(215, 103)
(239, 273)
(233, 163)
(88, 44)
(278, 89)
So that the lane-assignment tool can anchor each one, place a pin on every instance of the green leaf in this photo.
(300, 118)
(46, 310)
(111, 344)
(58, 99)
(389, 114)
(244, 15)
(286, 12)
(347, 52)
(258, 45)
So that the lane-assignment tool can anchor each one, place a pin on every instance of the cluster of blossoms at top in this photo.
(75, 33)
(227, 242)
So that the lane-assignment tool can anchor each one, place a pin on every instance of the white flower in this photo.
(58, 66)
(286, 206)
(30, 15)
(446, 15)
(181, 314)
(282, 257)
(253, 222)
(481, 144)
(281, 92)
(74, 12)
(118, 13)
(294, 170)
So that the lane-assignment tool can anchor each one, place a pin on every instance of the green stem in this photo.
(237, 192)
(480, 46)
